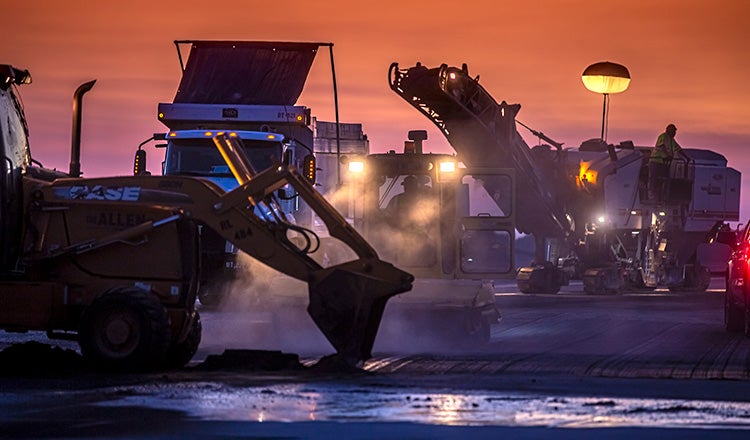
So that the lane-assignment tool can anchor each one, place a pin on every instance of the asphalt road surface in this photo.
(638, 335)
(650, 365)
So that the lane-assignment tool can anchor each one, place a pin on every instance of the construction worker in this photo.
(402, 207)
(412, 215)
(658, 165)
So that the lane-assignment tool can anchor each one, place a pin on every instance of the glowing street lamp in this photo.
(606, 78)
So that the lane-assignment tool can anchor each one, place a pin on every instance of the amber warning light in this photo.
(139, 164)
(310, 168)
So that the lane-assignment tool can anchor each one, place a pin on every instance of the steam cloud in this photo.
(265, 309)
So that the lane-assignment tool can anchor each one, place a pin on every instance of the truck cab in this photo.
(271, 135)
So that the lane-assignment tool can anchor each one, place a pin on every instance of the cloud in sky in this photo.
(687, 59)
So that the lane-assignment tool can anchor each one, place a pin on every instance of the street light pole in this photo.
(605, 107)
(606, 78)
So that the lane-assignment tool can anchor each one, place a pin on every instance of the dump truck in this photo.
(114, 262)
(587, 208)
(254, 90)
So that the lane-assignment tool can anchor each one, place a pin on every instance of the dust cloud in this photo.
(403, 228)
(265, 309)
(406, 233)
(262, 309)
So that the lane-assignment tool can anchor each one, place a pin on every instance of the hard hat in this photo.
(409, 180)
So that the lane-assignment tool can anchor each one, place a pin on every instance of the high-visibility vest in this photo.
(665, 149)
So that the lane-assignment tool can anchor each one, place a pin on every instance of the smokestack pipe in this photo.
(417, 136)
(75, 145)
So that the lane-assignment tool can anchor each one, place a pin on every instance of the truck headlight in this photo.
(356, 166)
(446, 170)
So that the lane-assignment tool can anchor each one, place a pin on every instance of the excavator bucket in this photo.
(346, 300)
(347, 303)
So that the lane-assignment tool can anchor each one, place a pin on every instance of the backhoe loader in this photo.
(114, 262)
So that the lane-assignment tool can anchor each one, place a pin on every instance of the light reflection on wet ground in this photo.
(348, 403)
(567, 360)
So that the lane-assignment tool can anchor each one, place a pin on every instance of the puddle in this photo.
(347, 403)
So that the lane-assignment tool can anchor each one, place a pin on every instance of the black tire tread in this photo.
(180, 353)
(155, 330)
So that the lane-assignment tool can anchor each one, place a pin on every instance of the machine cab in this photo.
(14, 147)
(425, 213)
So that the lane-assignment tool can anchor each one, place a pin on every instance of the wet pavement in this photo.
(367, 401)
(305, 405)
(564, 366)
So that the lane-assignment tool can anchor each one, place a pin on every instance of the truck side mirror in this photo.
(286, 158)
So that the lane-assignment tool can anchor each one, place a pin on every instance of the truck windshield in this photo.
(200, 157)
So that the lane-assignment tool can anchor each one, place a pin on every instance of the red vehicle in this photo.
(737, 297)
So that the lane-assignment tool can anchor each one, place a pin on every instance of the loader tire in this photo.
(125, 329)
(181, 353)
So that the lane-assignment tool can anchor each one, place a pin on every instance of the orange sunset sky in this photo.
(688, 61)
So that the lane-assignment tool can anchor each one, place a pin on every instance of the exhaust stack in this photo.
(75, 145)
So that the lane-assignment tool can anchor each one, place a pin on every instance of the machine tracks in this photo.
(730, 361)
(672, 336)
